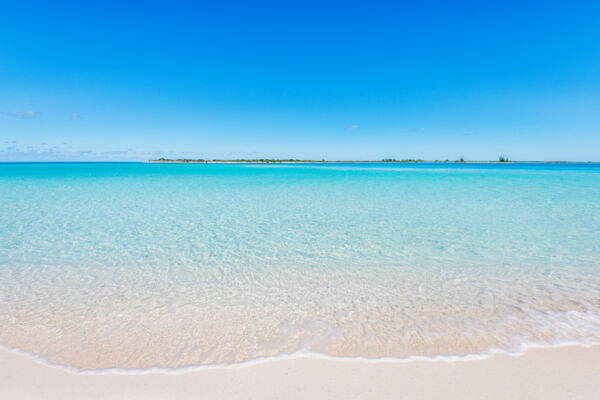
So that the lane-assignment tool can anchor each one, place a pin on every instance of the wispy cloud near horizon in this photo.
(46, 151)
(21, 114)
(351, 127)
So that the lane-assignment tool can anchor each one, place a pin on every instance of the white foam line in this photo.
(301, 354)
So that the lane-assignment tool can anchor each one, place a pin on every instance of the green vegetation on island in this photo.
(277, 160)
(502, 159)
(408, 160)
(240, 160)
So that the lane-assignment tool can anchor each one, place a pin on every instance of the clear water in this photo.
(141, 265)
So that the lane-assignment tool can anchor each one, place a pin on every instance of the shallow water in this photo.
(138, 265)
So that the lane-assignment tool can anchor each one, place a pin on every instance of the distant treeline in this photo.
(265, 160)
(393, 160)
(502, 159)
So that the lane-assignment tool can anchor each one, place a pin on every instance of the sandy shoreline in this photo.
(570, 372)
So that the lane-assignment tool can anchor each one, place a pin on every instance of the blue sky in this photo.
(334, 80)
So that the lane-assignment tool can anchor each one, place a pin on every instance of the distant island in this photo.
(501, 159)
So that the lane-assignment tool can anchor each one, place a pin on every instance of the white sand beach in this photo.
(571, 372)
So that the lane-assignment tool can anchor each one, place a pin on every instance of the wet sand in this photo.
(571, 372)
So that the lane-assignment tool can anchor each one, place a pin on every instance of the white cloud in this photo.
(21, 114)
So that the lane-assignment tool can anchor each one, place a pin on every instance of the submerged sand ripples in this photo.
(136, 266)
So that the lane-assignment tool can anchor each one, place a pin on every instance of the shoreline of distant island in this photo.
(277, 161)
(501, 160)
(297, 161)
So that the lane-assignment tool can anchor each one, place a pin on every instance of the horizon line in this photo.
(297, 161)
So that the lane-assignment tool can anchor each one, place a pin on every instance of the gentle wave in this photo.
(301, 355)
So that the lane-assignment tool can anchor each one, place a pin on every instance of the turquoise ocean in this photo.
(140, 265)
